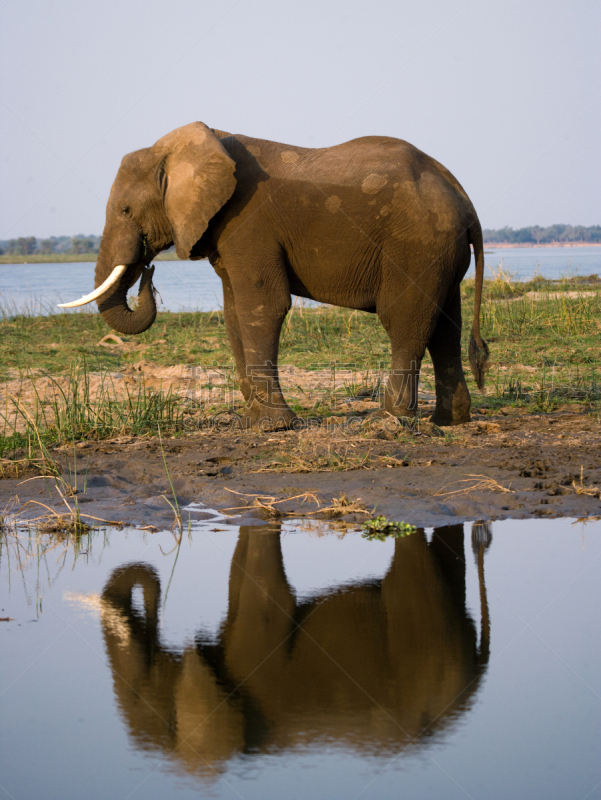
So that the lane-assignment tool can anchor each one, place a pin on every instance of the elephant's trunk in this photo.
(115, 310)
(118, 592)
(113, 307)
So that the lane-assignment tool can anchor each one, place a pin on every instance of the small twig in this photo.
(117, 523)
(72, 511)
(36, 478)
(37, 503)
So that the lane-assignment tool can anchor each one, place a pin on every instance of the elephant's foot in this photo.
(400, 414)
(399, 411)
(444, 419)
(455, 412)
(453, 401)
(268, 418)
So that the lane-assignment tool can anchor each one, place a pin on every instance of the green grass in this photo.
(52, 343)
(545, 347)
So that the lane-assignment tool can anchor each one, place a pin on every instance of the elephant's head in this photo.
(163, 195)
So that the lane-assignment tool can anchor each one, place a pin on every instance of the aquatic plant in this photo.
(379, 529)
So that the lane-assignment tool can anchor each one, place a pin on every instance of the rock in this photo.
(430, 429)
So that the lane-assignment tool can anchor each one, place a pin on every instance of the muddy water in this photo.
(292, 661)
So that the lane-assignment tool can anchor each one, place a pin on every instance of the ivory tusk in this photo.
(102, 289)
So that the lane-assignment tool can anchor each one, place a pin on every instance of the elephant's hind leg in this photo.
(452, 396)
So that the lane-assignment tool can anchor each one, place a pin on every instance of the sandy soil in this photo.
(504, 465)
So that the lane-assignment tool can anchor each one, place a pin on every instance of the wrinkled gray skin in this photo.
(373, 224)
(374, 666)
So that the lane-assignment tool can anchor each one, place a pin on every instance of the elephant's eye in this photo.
(126, 211)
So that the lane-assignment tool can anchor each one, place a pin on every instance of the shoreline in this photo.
(504, 465)
(67, 259)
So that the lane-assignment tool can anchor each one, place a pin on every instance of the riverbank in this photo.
(504, 464)
(54, 258)
(86, 407)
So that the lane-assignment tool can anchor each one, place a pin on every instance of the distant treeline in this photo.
(537, 235)
(63, 245)
(80, 244)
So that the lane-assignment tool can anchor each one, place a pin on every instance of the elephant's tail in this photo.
(481, 541)
(478, 348)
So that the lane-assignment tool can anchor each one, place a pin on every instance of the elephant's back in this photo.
(368, 164)
(396, 194)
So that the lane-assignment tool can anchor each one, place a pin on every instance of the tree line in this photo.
(66, 245)
(534, 234)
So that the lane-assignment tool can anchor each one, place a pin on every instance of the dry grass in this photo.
(349, 445)
(478, 483)
(19, 467)
(339, 506)
(581, 488)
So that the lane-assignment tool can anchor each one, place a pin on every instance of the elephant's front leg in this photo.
(260, 315)
(401, 395)
(234, 334)
(407, 350)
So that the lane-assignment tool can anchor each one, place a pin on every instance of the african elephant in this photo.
(373, 224)
(377, 666)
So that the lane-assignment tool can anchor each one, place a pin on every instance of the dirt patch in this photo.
(500, 465)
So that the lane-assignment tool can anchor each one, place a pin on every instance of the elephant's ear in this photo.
(196, 178)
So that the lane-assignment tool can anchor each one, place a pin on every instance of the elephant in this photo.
(376, 666)
(373, 224)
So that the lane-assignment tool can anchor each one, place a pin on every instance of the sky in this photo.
(506, 94)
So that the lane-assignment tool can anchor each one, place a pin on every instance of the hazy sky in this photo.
(506, 94)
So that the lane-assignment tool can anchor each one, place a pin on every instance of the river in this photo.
(194, 286)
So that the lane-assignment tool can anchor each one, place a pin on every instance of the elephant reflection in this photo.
(373, 666)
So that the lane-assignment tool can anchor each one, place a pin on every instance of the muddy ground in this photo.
(503, 464)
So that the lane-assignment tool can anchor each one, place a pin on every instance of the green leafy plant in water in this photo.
(380, 529)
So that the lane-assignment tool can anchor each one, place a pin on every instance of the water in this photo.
(267, 663)
(182, 286)
(194, 285)
(550, 262)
